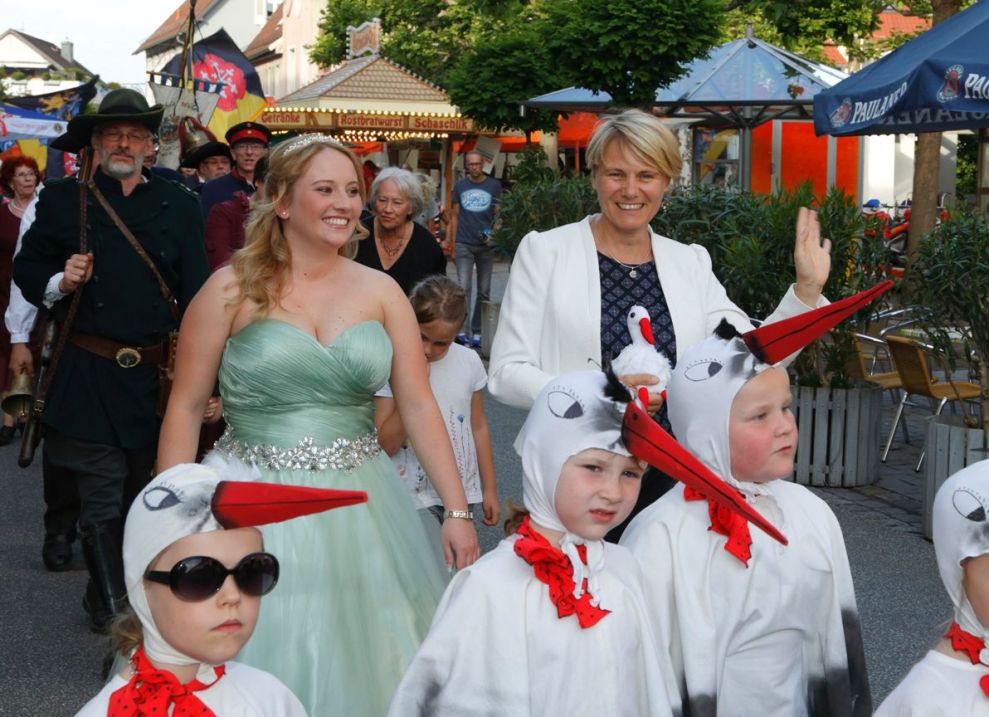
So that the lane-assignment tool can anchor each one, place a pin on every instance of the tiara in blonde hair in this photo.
(308, 139)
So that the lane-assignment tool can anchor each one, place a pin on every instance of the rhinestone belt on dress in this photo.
(344, 454)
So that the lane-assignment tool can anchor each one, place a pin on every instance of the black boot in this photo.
(106, 594)
(56, 552)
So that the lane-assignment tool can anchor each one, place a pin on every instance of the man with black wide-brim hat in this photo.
(248, 143)
(100, 418)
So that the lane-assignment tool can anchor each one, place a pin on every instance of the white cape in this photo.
(938, 686)
(243, 691)
(497, 647)
(778, 638)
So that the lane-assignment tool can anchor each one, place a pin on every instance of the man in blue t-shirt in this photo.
(475, 203)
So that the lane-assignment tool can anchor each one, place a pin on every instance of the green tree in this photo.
(420, 35)
(629, 48)
(500, 72)
(814, 21)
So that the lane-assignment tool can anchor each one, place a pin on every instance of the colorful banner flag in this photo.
(63, 105)
(216, 59)
(190, 98)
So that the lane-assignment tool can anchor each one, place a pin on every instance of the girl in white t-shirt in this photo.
(457, 378)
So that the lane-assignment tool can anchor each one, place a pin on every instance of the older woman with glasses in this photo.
(568, 295)
(19, 180)
(396, 244)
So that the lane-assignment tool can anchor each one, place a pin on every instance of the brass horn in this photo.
(18, 400)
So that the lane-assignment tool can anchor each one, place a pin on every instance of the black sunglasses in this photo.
(198, 577)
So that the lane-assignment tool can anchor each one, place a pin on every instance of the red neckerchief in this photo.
(553, 568)
(150, 691)
(971, 645)
(725, 521)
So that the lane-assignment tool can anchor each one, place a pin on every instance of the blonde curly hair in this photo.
(262, 266)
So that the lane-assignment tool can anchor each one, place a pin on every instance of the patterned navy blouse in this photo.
(619, 293)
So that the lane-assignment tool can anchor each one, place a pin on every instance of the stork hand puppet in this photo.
(641, 356)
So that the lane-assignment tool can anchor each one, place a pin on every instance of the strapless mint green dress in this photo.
(359, 584)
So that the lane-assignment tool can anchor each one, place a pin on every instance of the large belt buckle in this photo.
(128, 357)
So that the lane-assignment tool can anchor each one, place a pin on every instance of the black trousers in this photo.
(654, 485)
(61, 499)
(108, 478)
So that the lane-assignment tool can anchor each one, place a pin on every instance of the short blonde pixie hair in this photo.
(642, 132)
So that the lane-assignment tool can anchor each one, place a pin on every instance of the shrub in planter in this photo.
(949, 279)
(750, 239)
(539, 204)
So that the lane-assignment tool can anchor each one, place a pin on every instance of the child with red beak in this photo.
(754, 626)
(553, 621)
(196, 570)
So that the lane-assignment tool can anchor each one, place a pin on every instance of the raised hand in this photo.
(811, 257)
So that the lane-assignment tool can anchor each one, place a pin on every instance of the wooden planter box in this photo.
(839, 435)
(950, 447)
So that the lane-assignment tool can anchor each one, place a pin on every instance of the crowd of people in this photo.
(302, 306)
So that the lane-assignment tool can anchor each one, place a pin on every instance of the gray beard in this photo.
(118, 170)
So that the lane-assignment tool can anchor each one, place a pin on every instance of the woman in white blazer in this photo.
(570, 288)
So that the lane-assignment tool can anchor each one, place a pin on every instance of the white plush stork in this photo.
(641, 355)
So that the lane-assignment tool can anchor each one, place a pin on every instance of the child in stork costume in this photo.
(953, 678)
(195, 572)
(554, 620)
(753, 626)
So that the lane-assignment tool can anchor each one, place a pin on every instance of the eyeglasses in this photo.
(25, 175)
(117, 135)
(197, 578)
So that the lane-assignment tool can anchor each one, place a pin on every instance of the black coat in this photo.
(91, 398)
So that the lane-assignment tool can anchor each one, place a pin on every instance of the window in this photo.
(716, 157)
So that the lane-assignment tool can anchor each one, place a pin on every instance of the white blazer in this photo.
(550, 319)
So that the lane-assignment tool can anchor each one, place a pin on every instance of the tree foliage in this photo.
(814, 21)
(499, 73)
(630, 48)
(421, 35)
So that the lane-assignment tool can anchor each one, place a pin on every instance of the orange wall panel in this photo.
(847, 169)
(804, 157)
(762, 158)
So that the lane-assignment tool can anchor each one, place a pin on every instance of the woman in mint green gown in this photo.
(301, 337)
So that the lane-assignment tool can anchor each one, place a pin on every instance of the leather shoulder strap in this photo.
(132, 240)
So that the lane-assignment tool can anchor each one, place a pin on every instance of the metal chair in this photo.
(910, 360)
(887, 380)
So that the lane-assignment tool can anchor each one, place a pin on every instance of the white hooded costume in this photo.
(498, 646)
(942, 685)
(779, 637)
(186, 500)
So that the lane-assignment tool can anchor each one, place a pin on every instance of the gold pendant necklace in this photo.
(391, 251)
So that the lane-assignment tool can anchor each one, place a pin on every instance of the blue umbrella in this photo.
(937, 82)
